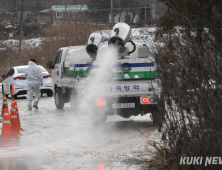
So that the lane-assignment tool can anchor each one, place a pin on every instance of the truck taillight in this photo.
(19, 78)
(145, 100)
(47, 76)
(100, 102)
(152, 99)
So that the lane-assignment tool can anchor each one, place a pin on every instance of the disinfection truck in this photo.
(114, 77)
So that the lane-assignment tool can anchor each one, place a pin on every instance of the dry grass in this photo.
(68, 33)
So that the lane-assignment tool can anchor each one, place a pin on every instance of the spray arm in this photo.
(93, 43)
(134, 46)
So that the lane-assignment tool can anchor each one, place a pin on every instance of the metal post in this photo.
(145, 12)
(112, 17)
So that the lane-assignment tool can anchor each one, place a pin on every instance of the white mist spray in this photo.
(104, 71)
(99, 80)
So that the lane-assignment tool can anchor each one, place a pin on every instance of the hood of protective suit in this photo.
(31, 63)
(33, 73)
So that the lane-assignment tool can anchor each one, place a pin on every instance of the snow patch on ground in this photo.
(144, 35)
(9, 26)
(27, 44)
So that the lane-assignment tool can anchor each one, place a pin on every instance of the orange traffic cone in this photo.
(4, 103)
(14, 122)
(6, 126)
(16, 107)
(12, 105)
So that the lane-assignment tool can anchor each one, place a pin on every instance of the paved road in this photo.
(63, 140)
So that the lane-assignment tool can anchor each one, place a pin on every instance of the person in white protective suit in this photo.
(34, 80)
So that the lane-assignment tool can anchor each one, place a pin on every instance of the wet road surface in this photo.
(63, 140)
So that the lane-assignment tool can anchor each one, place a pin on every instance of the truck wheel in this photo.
(3, 92)
(58, 99)
(50, 94)
(98, 118)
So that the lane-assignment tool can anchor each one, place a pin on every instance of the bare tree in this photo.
(190, 70)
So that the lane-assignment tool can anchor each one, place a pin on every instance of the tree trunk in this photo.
(51, 13)
(133, 17)
(120, 14)
(14, 14)
(120, 11)
(11, 20)
(21, 27)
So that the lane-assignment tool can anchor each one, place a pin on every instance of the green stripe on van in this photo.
(140, 74)
(66, 70)
(72, 72)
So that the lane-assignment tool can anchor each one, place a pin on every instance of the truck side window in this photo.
(58, 57)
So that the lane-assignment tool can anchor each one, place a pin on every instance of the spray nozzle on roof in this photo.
(93, 43)
(120, 35)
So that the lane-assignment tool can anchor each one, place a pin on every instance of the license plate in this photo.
(123, 105)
